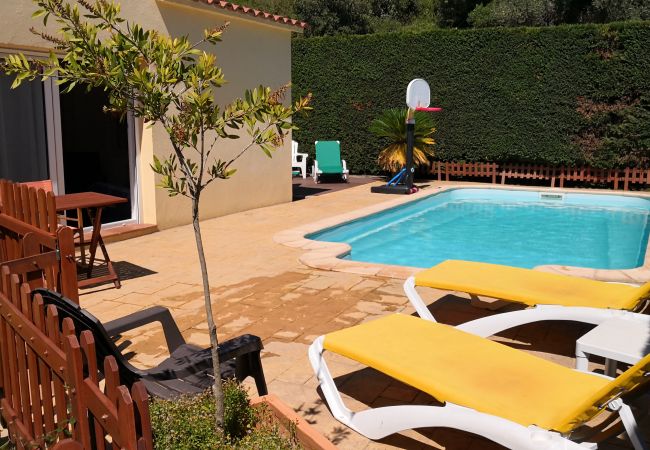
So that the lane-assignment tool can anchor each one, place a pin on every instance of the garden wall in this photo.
(566, 95)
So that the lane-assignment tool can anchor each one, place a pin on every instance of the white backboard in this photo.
(418, 94)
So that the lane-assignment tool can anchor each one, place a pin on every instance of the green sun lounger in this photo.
(328, 160)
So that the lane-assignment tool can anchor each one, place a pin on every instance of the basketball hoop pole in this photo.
(410, 140)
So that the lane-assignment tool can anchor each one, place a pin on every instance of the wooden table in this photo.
(93, 202)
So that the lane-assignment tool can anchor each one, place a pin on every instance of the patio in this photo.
(259, 287)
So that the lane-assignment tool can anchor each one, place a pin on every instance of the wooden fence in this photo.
(30, 205)
(51, 395)
(31, 240)
(41, 259)
(554, 175)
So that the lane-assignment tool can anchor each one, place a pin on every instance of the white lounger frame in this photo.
(381, 422)
(491, 325)
(316, 172)
(494, 324)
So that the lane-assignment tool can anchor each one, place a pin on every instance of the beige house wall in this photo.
(253, 52)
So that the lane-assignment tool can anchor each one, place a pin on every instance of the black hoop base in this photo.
(399, 189)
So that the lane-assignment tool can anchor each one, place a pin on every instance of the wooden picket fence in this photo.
(554, 175)
(30, 205)
(41, 259)
(487, 170)
(33, 243)
(50, 382)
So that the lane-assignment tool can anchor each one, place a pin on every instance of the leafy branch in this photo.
(167, 81)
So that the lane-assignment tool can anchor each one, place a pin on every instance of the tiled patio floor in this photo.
(259, 287)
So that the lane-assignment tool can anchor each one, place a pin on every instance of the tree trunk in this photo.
(217, 388)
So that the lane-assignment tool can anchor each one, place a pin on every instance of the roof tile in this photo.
(254, 12)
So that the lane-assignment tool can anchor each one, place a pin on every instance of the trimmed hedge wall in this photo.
(572, 95)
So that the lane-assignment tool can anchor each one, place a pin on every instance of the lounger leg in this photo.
(582, 360)
(629, 422)
(380, 422)
(416, 300)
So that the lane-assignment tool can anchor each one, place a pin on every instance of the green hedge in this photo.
(575, 94)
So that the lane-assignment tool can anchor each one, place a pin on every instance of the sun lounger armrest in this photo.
(160, 314)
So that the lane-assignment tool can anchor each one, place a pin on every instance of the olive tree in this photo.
(167, 81)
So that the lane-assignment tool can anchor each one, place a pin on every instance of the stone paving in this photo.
(260, 287)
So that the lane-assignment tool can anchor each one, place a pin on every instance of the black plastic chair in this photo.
(187, 370)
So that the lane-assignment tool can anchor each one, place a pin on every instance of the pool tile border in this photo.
(327, 255)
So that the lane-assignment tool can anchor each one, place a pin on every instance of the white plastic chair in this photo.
(298, 160)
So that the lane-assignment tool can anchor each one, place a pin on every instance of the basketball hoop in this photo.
(418, 94)
(418, 98)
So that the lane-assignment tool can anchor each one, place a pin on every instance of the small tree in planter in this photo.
(391, 125)
(163, 80)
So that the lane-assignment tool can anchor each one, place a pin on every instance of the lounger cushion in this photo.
(328, 155)
(455, 366)
(530, 287)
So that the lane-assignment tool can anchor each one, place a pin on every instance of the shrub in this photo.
(187, 423)
(571, 94)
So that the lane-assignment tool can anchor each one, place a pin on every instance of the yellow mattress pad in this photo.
(458, 367)
(530, 287)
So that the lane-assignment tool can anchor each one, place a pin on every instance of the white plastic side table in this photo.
(624, 340)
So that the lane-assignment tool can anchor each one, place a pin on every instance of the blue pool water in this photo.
(516, 228)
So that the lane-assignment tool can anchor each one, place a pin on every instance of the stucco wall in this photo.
(253, 52)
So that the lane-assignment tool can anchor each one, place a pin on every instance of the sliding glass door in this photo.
(95, 149)
(68, 138)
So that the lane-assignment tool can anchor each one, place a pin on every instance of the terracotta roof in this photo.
(255, 13)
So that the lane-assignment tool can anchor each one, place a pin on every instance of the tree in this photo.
(391, 125)
(549, 12)
(510, 13)
(330, 17)
(402, 11)
(453, 13)
(167, 81)
(611, 10)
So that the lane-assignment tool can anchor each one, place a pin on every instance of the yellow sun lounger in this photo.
(552, 296)
(511, 397)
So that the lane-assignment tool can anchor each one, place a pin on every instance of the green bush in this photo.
(571, 94)
(187, 423)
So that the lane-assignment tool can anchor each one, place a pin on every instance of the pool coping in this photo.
(327, 255)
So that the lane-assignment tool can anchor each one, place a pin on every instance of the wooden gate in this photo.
(51, 394)
(33, 243)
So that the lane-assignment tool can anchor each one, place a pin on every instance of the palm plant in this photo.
(391, 125)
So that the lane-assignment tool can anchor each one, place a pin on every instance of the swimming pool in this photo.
(513, 227)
